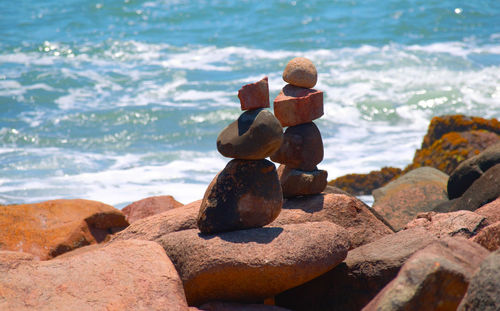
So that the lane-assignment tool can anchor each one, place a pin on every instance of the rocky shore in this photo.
(277, 239)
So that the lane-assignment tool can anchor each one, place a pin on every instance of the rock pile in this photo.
(246, 193)
(297, 106)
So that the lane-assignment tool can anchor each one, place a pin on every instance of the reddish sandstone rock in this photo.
(343, 210)
(483, 292)
(489, 237)
(364, 272)
(254, 95)
(435, 278)
(491, 211)
(402, 199)
(256, 135)
(364, 184)
(295, 105)
(127, 275)
(245, 194)
(253, 264)
(302, 147)
(50, 228)
(300, 71)
(296, 182)
(149, 206)
(151, 228)
(463, 224)
(471, 169)
(453, 138)
(230, 306)
(483, 190)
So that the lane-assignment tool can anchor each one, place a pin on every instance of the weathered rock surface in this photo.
(229, 306)
(463, 224)
(484, 288)
(343, 210)
(50, 228)
(451, 139)
(364, 272)
(153, 227)
(300, 71)
(245, 194)
(435, 278)
(364, 184)
(489, 237)
(471, 169)
(256, 135)
(296, 182)
(295, 105)
(127, 275)
(149, 206)
(302, 147)
(483, 190)
(417, 191)
(491, 211)
(254, 95)
(253, 264)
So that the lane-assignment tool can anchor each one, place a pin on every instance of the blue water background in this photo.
(119, 100)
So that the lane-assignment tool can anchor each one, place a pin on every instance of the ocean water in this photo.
(119, 100)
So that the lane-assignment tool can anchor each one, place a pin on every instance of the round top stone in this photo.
(300, 71)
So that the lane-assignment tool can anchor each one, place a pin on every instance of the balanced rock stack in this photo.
(297, 106)
(247, 192)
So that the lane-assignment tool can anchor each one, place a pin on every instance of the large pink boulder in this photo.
(127, 275)
(435, 278)
(343, 210)
(51, 228)
(253, 264)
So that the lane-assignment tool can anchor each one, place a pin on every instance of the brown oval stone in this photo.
(302, 147)
(300, 71)
(256, 135)
(245, 194)
(149, 206)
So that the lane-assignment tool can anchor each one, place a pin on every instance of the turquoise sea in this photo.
(122, 99)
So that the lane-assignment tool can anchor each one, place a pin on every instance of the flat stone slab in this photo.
(126, 275)
(296, 182)
(254, 95)
(295, 105)
(254, 264)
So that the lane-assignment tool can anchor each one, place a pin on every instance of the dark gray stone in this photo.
(302, 147)
(296, 182)
(256, 135)
(245, 194)
(471, 169)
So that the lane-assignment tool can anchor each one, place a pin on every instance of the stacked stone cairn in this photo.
(247, 192)
(297, 105)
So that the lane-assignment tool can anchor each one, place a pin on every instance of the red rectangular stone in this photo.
(254, 95)
(296, 105)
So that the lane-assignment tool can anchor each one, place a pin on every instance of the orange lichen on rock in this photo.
(452, 139)
(50, 228)
(364, 184)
